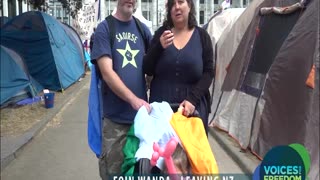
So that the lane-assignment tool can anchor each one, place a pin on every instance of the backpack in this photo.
(91, 40)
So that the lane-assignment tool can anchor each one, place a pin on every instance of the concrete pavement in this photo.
(246, 161)
(60, 150)
(11, 146)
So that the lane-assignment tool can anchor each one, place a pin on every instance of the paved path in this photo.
(61, 152)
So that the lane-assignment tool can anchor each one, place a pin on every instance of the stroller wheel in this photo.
(143, 167)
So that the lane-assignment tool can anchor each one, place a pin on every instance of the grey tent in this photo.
(224, 43)
(267, 98)
(223, 21)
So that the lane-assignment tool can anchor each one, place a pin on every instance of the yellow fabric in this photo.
(195, 142)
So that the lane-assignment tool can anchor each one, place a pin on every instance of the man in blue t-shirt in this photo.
(124, 88)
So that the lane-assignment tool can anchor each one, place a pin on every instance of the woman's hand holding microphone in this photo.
(166, 39)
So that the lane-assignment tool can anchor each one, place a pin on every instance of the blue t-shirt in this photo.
(127, 56)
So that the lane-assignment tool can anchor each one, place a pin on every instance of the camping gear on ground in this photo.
(29, 101)
(16, 82)
(49, 100)
(49, 53)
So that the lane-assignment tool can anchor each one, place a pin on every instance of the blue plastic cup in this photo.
(49, 100)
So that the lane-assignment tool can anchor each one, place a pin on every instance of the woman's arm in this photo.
(202, 86)
(151, 58)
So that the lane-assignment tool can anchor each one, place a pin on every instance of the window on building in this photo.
(20, 7)
(201, 17)
(146, 14)
(216, 1)
(58, 11)
(201, 1)
(11, 8)
(244, 3)
(52, 12)
(146, 0)
(65, 20)
(1, 8)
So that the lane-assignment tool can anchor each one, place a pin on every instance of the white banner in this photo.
(225, 4)
(86, 19)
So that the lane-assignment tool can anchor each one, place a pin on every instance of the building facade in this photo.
(11, 8)
(152, 10)
(55, 9)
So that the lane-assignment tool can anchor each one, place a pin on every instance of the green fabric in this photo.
(129, 150)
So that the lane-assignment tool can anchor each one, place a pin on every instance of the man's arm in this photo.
(117, 86)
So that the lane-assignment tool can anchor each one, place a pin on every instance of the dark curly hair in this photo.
(192, 22)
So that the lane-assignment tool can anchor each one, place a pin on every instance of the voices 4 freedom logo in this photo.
(290, 162)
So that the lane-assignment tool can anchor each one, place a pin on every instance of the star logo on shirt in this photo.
(128, 55)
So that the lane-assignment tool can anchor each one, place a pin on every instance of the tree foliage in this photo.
(71, 6)
(38, 4)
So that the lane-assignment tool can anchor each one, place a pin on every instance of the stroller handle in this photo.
(175, 106)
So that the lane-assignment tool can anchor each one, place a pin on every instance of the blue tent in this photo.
(49, 53)
(75, 38)
(3, 20)
(15, 78)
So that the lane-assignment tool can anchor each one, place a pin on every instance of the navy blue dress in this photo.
(176, 71)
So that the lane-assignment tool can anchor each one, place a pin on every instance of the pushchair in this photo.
(144, 167)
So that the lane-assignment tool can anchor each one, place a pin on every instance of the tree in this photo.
(71, 6)
(38, 4)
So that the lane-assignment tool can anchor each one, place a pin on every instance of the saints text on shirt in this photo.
(126, 36)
